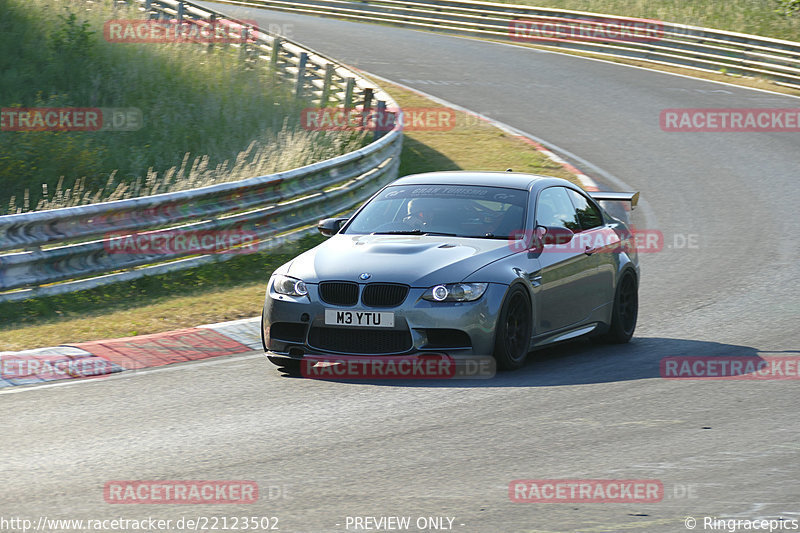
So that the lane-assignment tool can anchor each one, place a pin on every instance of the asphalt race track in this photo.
(332, 450)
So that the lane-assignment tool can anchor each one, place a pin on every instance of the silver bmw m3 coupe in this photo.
(461, 263)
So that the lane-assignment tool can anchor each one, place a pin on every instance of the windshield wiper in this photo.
(487, 236)
(414, 232)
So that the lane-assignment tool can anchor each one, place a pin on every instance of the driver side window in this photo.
(588, 215)
(554, 208)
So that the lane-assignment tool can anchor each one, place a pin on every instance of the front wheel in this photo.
(513, 332)
(626, 311)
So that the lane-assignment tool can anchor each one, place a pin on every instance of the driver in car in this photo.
(420, 213)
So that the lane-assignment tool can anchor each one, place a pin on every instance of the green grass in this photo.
(767, 18)
(235, 288)
(195, 99)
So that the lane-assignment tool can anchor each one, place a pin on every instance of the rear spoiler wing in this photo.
(632, 197)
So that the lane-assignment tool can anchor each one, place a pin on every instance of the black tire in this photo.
(626, 311)
(513, 331)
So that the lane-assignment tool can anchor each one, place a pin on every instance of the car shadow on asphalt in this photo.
(585, 362)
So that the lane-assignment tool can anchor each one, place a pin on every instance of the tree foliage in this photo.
(789, 7)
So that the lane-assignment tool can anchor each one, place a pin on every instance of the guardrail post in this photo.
(368, 92)
(326, 86)
(252, 44)
(348, 93)
(212, 22)
(244, 35)
(275, 53)
(301, 75)
(365, 108)
(381, 124)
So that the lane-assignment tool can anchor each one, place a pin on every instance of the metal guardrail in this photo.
(69, 249)
(677, 44)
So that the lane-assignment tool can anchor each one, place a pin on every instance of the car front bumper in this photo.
(294, 327)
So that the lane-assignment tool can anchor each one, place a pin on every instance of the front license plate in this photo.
(372, 319)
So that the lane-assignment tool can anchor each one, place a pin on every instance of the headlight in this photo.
(289, 286)
(455, 292)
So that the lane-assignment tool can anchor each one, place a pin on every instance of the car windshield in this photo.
(452, 210)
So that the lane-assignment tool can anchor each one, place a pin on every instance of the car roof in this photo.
(510, 180)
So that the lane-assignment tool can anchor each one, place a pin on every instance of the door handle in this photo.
(589, 250)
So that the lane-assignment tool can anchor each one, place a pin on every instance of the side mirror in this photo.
(330, 226)
(544, 235)
(537, 239)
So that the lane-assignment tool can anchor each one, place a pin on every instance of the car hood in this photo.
(416, 260)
